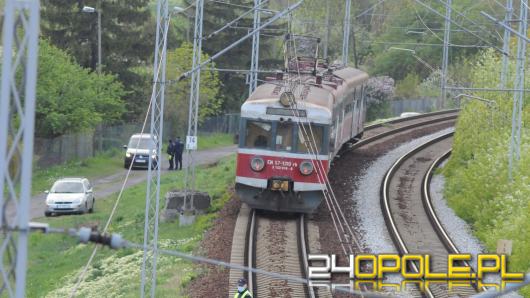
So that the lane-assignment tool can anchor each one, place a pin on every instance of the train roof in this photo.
(318, 99)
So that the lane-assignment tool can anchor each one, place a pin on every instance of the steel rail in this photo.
(427, 204)
(435, 222)
(387, 214)
(252, 238)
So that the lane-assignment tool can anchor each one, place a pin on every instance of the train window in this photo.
(259, 134)
(284, 136)
(305, 136)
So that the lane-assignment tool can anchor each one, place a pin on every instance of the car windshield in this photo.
(141, 143)
(67, 187)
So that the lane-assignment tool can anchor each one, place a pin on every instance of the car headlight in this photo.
(77, 201)
(49, 201)
(257, 164)
(306, 168)
(128, 155)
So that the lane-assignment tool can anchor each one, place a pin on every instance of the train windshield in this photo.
(310, 137)
(258, 134)
(285, 136)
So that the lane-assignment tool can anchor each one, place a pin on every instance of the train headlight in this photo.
(287, 98)
(257, 164)
(306, 168)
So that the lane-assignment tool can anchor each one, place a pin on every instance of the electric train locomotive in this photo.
(288, 136)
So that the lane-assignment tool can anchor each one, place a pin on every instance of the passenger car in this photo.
(140, 149)
(70, 195)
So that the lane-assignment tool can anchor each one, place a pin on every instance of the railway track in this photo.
(278, 245)
(412, 221)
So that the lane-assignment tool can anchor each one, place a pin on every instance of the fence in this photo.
(65, 148)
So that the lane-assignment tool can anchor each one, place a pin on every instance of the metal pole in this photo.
(254, 65)
(445, 55)
(193, 114)
(518, 96)
(239, 41)
(99, 37)
(150, 253)
(346, 36)
(326, 36)
(506, 43)
(17, 120)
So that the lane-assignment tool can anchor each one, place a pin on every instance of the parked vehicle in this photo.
(70, 195)
(140, 149)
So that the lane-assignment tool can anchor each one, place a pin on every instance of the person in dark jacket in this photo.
(171, 153)
(179, 149)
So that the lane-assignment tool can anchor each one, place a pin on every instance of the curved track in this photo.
(409, 214)
(277, 244)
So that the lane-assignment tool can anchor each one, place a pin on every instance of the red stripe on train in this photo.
(277, 166)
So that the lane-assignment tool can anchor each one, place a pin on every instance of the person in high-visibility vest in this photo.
(242, 291)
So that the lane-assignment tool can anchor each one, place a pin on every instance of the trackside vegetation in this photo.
(55, 260)
(477, 185)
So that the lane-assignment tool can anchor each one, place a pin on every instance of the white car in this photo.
(70, 195)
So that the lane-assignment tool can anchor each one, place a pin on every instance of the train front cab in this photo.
(275, 171)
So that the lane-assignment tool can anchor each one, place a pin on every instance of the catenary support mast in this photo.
(193, 115)
(445, 55)
(346, 36)
(254, 66)
(17, 124)
(152, 196)
(518, 96)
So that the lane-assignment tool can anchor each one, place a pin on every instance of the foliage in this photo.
(477, 185)
(127, 41)
(177, 103)
(408, 87)
(71, 98)
(379, 89)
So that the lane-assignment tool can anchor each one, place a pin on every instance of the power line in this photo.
(461, 27)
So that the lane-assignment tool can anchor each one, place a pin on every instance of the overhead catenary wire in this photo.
(334, 201)
(462, 27)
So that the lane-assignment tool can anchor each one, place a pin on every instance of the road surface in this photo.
(108, 185)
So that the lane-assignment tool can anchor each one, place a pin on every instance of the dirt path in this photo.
(107, 185)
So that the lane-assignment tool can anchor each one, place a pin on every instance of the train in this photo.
(291, 128)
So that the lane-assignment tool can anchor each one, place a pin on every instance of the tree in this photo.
(177, 95)
(127, 41)
(70, 98)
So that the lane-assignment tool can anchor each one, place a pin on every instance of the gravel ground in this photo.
(216, 244)
(344, 176)
(376, 237)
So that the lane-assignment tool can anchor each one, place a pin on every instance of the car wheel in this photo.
(47, 214)
(92, 207)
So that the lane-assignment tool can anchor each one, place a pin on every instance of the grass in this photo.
(215, 140)
(55, 260)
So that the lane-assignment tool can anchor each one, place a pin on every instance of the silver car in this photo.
(70, 195)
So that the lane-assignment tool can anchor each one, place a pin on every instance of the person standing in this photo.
(242, 290)
(171, 153)
(179, 149)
